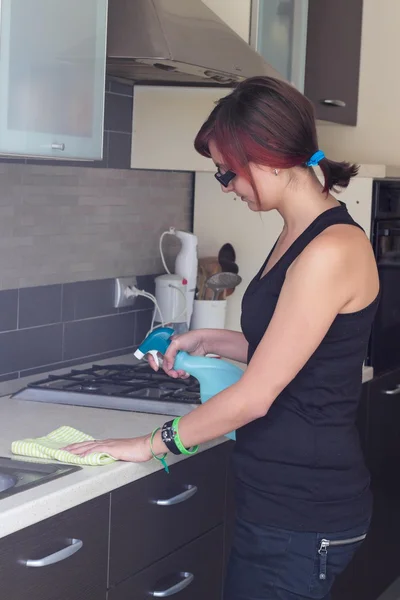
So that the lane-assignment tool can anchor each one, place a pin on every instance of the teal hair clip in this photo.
(315, 159)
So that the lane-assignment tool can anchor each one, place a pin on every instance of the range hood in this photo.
(177, 42)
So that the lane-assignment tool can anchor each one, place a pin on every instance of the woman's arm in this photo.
(317, 287)
(228, 344)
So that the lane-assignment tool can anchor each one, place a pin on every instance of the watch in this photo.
(168, 437)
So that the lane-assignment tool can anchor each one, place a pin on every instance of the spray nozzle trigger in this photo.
(154, 354)
(155, 343)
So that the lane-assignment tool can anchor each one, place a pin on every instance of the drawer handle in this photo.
(69, 550)
(338, 103)
(185, 495)
(58, 147)
(392, 392)
(186, 580)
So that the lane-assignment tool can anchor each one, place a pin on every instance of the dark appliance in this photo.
(384, 348)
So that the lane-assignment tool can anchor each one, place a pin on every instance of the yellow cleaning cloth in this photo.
(49, 446)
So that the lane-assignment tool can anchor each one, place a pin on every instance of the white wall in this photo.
(236, 13)
(375, 139)
(166, 120)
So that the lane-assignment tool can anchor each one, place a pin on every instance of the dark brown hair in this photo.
(268, 122)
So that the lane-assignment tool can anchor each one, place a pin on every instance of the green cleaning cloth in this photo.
(49, 446)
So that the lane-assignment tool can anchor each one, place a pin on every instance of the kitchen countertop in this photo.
(19, 419)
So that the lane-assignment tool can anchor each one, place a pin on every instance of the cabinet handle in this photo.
(392, 392)
(73, 546)
(188, 493)
(186, 580)
(330, 102)
(58, 147)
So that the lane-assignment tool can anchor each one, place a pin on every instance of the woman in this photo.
(301, 483)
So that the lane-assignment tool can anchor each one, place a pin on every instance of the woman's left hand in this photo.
(128, 449)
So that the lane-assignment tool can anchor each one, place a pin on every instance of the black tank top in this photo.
(300, 467)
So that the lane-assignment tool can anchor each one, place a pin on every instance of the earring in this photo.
(276, 171)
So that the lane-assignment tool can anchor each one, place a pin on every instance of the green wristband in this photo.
(178, 441)
(160, 457)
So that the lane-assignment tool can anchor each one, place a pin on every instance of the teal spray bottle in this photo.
(213, 374)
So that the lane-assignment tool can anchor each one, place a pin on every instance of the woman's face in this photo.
(239, 186)
(268, 184)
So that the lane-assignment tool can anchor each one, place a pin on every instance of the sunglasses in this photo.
(224, 178)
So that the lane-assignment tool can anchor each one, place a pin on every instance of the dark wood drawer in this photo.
(80, 576)
(383, 438)
(147, 525)
(196, 568)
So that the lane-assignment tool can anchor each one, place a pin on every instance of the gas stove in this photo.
(134, 388)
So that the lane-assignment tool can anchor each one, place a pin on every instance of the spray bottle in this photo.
(213, 374)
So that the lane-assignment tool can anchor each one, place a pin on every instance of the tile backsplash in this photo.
(65, 234)
(62, 224)
(49, 327)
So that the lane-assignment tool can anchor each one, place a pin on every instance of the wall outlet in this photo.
(121, 283)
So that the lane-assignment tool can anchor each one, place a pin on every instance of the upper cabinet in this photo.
(333, 59)
(52, 78)
(279, 34)
(316, 45)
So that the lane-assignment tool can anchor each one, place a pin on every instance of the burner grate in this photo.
(138, 381)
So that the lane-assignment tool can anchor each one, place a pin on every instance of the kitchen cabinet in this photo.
(253, 235)
(52, 78)
(80, 535)
(383, 446)
(315, 44)
(279, 34)
(376, 565)
(170, 511)
(160, 532)
(333, 59)
(192, 573)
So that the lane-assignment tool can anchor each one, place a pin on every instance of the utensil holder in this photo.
(208, 314)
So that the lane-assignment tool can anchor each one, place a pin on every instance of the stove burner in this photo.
(131, 381)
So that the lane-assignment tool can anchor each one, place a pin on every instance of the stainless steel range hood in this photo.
(177, 42)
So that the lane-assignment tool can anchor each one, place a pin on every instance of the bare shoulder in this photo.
(342, 255)
(336, 245)
(345, 237)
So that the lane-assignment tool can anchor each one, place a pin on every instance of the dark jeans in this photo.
(274, 564)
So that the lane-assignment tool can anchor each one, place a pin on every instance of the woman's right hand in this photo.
(192, 342)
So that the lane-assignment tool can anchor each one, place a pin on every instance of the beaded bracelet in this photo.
(178, 440)
(160, 457)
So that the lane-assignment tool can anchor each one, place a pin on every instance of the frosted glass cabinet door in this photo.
(52, 73)
(279, 34)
